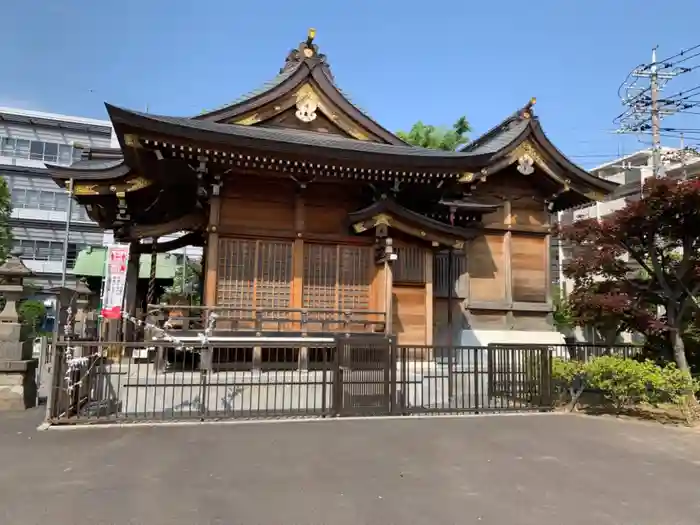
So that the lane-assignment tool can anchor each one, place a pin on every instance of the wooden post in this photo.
(429, 297)
(388, 297)
(298, 296)
(211, 265)
(132, 280)
(507, 262)
(212, 255)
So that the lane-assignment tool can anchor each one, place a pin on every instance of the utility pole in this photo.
(645, 107)
(69, 211)
(655, 120)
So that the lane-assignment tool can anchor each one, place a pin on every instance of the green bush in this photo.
(624, 382)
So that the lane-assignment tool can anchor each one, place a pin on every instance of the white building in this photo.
(631, 172)
(28, 141)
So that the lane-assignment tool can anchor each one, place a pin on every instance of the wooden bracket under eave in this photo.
(132, 141)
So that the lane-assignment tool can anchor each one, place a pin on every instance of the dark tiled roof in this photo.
(496, 140)
(92, 165)
(101, 153)
(98, 169)
(392, 207)
(288, 136)
(500, 135)
(267, 86)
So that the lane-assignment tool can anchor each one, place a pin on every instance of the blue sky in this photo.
(400, 61)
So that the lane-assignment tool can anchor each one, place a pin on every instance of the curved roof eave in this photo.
(90, 170)
(391, 207)
(298, 142)
(561, 159)
(279, 86)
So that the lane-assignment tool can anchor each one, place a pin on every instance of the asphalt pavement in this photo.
(522, 470)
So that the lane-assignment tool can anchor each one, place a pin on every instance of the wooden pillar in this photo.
(212, 254)
(429, 298)
(507, 261)
(429, 303)
(132, 281)
(297, 298)
(388, 297)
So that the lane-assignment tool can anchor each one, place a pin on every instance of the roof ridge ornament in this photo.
(527, 111)
(307, 50)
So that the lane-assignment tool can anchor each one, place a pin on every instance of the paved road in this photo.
(540, 469)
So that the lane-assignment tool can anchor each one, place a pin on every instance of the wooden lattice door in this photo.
(336, 285)
(254, 283)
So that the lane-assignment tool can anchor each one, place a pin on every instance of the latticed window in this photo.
(254, 274)
(409, 266)
(337, 277)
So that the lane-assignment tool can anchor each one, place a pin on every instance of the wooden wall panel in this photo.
(487, 320)
(326, 208)
(486, 265)
(531, 321)
(409, 314)
(257, 205)
(529, 214)
(529, 268)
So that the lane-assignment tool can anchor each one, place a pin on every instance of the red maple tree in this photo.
(639, 268)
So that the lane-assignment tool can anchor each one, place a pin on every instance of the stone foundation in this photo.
(17, 385)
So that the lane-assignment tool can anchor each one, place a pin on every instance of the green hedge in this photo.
(624, 382)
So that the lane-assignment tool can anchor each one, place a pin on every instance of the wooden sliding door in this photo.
(254, 274)
(336, 278)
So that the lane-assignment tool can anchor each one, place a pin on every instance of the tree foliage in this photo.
(639, 268)
(186, 283)
(32, 314)
(624, 382)
(435, 137)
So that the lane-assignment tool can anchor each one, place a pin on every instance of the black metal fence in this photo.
(346, 376)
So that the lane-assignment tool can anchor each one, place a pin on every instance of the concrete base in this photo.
(17, 385)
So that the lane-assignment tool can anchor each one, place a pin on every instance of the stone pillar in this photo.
(17, 368)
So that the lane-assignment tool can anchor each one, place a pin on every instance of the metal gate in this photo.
(364, 376)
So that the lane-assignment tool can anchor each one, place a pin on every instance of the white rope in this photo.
(74, 363)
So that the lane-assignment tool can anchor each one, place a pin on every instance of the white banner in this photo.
(114, 281)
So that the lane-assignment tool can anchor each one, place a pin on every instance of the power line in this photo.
(645, 108)
(681, 53)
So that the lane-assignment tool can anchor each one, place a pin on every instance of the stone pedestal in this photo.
(17, 368)
(18, 387)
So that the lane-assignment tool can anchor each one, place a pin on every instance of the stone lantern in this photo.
(17, 375)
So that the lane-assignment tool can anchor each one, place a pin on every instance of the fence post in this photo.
(54, 381)
(393, 379)
(546, 377)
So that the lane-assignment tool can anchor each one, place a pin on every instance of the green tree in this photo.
(31, 314)
(186, 283)
(642, 260)
(5, 212)
(434, 137)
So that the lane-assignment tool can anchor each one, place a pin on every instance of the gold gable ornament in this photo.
(307, 104)
(526, 164)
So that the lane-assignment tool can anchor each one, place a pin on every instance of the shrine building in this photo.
(315, 218)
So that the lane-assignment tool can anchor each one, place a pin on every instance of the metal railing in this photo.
(351, 375)
(586, 351)
(278, 320)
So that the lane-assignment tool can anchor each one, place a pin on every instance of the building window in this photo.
(47, 200)
(47, 250)
(38, 150)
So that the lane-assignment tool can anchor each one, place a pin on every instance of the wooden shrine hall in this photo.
(316, 219)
